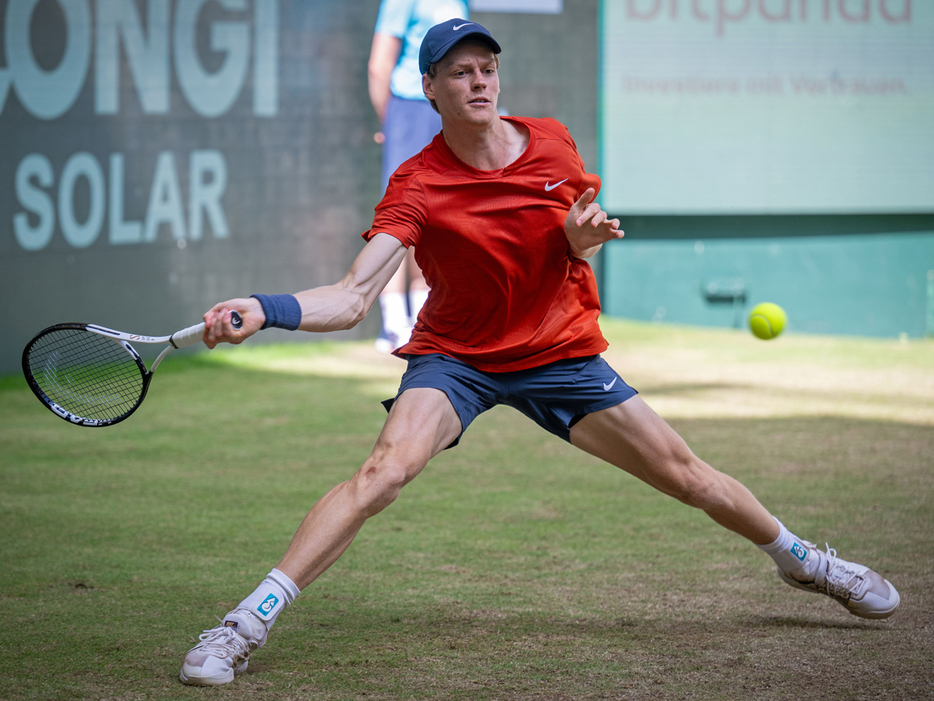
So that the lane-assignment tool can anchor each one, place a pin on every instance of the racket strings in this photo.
(86, 374)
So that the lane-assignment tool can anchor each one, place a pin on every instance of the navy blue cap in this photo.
(440, 38)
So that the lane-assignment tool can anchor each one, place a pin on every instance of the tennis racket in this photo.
(91, 375)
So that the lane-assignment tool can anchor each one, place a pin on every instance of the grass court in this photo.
(515, 567)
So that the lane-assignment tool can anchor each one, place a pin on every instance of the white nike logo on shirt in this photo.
(608, 387)
(458, 26)
(549, 187)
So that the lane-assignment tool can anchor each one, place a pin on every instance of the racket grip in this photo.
(187, 337)
(193, 334)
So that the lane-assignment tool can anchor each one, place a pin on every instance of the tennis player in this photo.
(502, 215)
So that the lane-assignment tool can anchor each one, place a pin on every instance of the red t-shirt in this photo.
(505, 292)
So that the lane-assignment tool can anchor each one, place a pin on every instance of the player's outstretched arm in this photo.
(588, 227)
(327, 308)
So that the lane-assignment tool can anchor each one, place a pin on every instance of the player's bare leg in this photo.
(634, 438)
(421, 424)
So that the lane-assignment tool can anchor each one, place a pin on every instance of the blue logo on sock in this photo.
(799, 551)
(269, 603)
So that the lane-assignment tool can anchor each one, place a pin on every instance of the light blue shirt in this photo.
(410, 20)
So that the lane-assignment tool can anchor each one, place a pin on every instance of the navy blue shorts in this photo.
(555, 396)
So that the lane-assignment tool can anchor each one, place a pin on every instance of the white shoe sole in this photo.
(192, 678)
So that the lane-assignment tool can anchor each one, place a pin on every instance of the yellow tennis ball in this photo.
(767, 320)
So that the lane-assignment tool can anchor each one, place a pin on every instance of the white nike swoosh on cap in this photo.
(458, 26)
(549, 187)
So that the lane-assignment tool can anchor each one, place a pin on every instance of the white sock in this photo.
(789, 551)
(395, 312)
(272, 596)
(417, 299)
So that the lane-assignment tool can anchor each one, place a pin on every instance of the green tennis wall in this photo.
(866, 284)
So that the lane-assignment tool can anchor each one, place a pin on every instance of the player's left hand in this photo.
(588, 227)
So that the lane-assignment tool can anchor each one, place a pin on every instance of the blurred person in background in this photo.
(408, 124)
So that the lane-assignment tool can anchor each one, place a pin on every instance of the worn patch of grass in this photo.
(514, 567)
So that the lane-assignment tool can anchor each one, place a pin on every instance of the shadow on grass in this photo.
(810, 623)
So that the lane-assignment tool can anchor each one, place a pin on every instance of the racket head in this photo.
(84, 377)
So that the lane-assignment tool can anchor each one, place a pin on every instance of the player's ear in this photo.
(426, 87)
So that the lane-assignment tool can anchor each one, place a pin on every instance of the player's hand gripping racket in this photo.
(91, 375)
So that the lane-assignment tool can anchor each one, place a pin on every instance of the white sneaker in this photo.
(389, 341)
(224, 651)
(865, 593)
(384, 345)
